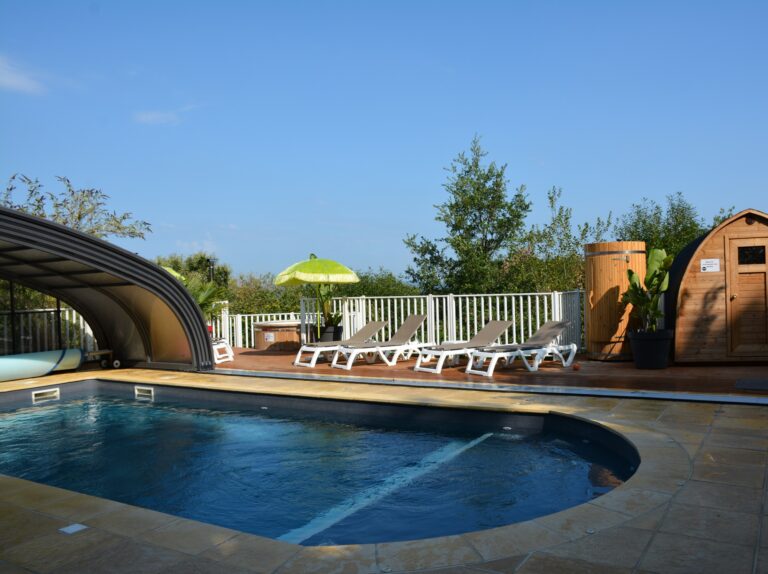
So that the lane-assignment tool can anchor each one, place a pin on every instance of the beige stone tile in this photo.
(130, 520)
(126, 557)
(742, 411)
(632, 501)
(580, 521)
(513, 540)
(650, 520)
(35, 496)
(613, 546)
(18, 525)
(253, 552)
(48, 553)
(730, 455)
(502, 566)
(764, 533)
(200, 565)
(666, 453)
(421, 554)
(693, 420)
(6, 568)
(672, 425)
(692, 448)
(79, 507)
(11, 484)
(712, 523)
(676, 554)
(188, 536)
(659, 481)
(549, 564)
(748, 475)
(332, 560)
(745, 440)
(757, 426)
(714, 495)
(692, 409)
(459, 570)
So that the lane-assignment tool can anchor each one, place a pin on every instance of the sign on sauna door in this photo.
(747, 297)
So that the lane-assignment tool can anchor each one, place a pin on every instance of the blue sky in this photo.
(265, 130)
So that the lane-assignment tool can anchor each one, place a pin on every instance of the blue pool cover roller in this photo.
(30, 365)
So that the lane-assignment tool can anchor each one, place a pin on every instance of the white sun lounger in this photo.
(539, 346)
(222, 351)
(390, 351)
(365, 334)
(453, 351)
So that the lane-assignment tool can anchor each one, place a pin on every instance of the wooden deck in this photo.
(599, 377)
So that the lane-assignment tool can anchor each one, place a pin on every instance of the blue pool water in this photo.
(303, 480)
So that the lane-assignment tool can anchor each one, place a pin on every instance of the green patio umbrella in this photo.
(316, 271)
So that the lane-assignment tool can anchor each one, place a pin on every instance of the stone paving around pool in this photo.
(697, 504)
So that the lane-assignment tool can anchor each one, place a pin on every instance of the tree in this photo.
(483, 224)
(670, 228)
(205, 293)
(201, 264)
(380, 283)
(551, 257)
(81, 209)
(258, 294)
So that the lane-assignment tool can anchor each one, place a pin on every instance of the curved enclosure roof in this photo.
(134, 307)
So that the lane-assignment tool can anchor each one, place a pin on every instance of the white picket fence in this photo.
(240, 330)
(37, 331)
(449, 317)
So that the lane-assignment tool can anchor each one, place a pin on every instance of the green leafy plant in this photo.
(325, 295)
(205, 293)
(645, 296)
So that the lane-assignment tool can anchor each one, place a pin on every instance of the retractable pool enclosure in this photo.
(134, 307)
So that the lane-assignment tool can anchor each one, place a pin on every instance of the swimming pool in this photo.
(310, 471)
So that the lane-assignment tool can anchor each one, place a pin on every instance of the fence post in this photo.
(224, 322)
(557, 311)
(430, 319)
(238, 331)
(450, 303)
(362, 310)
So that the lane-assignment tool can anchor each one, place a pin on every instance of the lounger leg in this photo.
(349, 359)
(571, 355)
(312, 362)
(475, 366)
(440, 363)
(538, 357)
(390, 362)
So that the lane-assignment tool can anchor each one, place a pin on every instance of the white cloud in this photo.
(161, 117)
(14, 79)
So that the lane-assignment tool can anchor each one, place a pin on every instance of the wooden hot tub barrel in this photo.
(606, 279)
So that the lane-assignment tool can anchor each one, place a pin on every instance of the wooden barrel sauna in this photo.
(606, 317)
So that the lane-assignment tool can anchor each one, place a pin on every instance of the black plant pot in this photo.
(651, 350)
(329, 333)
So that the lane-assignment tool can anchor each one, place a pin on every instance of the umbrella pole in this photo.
(317, 301)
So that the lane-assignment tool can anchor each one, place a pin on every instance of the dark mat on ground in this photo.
(752, 384)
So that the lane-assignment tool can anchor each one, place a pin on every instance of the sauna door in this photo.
(747, 297)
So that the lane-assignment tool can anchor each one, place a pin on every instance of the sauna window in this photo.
(754, 255)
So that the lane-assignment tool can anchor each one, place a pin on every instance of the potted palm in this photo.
(650, 345)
